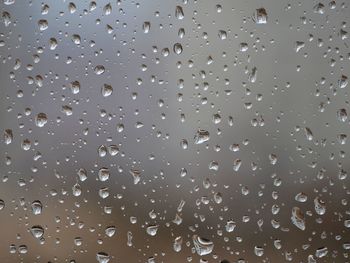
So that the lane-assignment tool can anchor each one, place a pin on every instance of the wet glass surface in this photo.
(174, 131)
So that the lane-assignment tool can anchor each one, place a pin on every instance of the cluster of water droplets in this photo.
(186, 131)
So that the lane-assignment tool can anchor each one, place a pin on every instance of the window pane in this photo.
(174, 131)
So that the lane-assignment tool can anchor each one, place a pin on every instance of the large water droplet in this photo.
(203, 246)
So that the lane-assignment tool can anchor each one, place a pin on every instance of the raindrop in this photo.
(41, 120)
(110, 231)
(301, 197)
(103, 174)
(72, 8)
(99, 70)
(76, 39)
(177, 48)
(75, 87)
(53, 43)
(320, 206)
(260, 16)
(82, 173)
(184, 144)
(146, 27)
(152, 230)
(179, 13)
(321, 252)
(201, 137)
(102, 257)
(106, 90)
(37, 207)
(298, 218)
(259, 251)
(203, 246)
(37, 231)
(76, 189)
(43, 24)
(136, 174)
(8, 136)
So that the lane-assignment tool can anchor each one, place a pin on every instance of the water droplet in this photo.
(103, 192)
(13, 249)
(273, 158)
(99, 69)
(342, 115)
(243, 47)
(72, 8)
(184, 144)
(8, 2)
(203, 246)
(277, 244)
(75, 87)
(299, 45)
(106, 90)
(43, 24)
(320, 206)
(37, 231)
(146, 27)
(152, 230)
(102, 257)
(319, 8)
(308, 134)
(201, 137)
(179, 13)
(76, 39)
(260, 16)
(78, 241)
(343, 82)
(321, 252)
(253, 75)
(298, 218)
(76, 189)
(37, 207)
(301, 197)
(342, 138)
(40, 120)
(113, 150)
(107, 9)
(22, 249)
(177, 246)
(103, 174)
(129, 239)
(8, 136)
(53, 43)
(230, 226)
(222, 34)
(259, 251)
(136, 174)
(2, 204)
(82, 173)
(102, 151)
(237, 164)
(214, 166)
(218, 198)
(181, 33)
(110, 231)
(177, 48)
(26, 144)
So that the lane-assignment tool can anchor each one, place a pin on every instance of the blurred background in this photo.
(174, 131)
